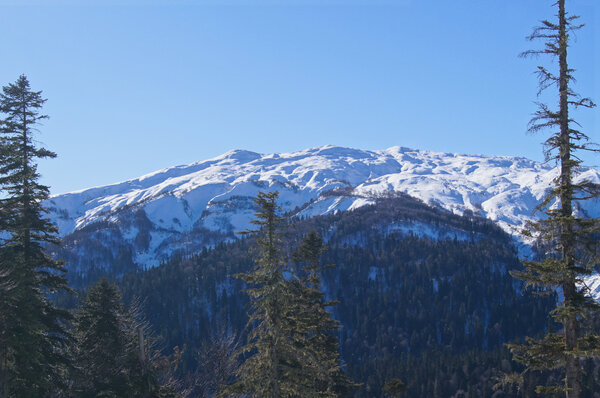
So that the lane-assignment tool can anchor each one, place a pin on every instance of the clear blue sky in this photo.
(135, 86)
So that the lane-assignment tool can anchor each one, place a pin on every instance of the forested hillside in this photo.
(432, 306)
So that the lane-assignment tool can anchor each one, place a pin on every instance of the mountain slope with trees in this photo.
(433, 312)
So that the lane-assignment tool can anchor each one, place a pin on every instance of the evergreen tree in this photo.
(35, 338)
(112, 350)
(102, 346)
(566, 233)
(275, 362)
(316, 325)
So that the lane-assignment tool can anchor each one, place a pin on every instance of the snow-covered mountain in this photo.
(177, 208)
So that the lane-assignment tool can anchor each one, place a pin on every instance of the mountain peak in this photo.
(240, 155)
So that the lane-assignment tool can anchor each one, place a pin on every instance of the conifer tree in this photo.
(101, 349)
(275, 362)
(566, 233)
(35, 338)
(112, 350)
(316, 325)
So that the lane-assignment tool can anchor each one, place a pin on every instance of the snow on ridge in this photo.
(216, 194)
(504, 189)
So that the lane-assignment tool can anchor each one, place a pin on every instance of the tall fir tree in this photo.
(316, 326)
(36, 337)
(274, 361)
(568, 236)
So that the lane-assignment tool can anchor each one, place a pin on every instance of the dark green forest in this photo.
(434, 313)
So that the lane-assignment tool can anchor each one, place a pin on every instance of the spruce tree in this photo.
(315, 324)
(101, 343)
(274, 362)
(568, 236)
(36, 337)
(113, 350)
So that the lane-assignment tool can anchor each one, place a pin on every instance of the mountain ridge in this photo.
(215, 195)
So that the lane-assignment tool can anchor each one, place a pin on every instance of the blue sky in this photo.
(135, 86)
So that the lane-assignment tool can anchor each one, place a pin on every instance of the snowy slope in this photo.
(216, 194)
